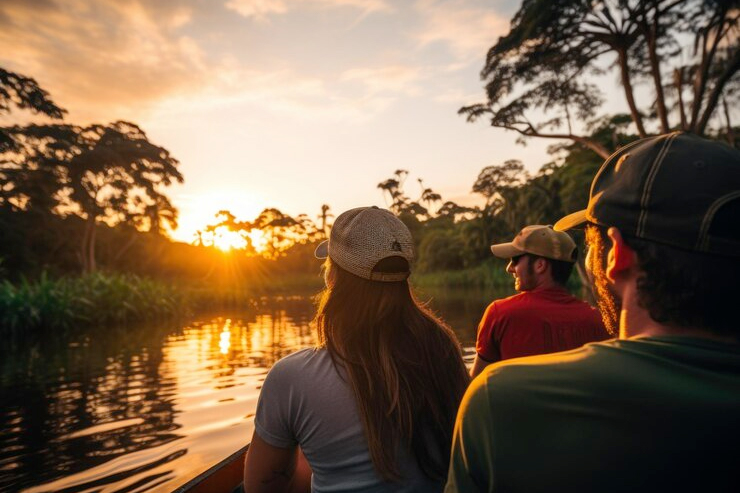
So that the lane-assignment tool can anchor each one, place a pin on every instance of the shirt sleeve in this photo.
(471, 461)
(274, 416)
(486, 345)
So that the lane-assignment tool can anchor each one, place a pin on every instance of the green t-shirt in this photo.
(641, 414)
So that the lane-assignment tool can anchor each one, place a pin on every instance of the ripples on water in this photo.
(147, 409)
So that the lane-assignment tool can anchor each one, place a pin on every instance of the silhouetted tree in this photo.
(401, 205)
(544, 62)
(24, 93)
(103, 173)
(428, 196)
(323, 217)
(281, 230)
(454, 211)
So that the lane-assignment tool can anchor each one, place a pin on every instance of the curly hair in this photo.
(685, 288)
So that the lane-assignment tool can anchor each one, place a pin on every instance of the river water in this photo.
(148, 408)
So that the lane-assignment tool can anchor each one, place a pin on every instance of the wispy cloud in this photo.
(101, 53)
(110, 59)
(258, 9)
(262, 9)
(468, 30)
(356, 96)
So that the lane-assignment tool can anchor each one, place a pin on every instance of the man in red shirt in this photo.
(544, 317)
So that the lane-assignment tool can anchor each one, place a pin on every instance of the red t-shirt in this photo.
(537, 322)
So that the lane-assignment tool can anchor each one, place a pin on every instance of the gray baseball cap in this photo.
(677, 189)
(362, 237)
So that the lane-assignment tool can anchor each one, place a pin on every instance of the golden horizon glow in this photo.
(227, 240)
(199, 211)
(259, 240)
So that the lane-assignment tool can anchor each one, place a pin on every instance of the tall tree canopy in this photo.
(686, 50)
(101, 173)
(24, 93)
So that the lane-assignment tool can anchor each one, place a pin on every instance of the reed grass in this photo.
(99, 298)
(111, 299)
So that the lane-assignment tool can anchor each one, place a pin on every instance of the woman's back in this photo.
(373, 408)
(306, 400)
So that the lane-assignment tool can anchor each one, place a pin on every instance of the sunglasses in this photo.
(515, 260)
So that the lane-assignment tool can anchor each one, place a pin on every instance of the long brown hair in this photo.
(404, 366)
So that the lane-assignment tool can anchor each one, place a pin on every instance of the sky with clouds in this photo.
(277, 103)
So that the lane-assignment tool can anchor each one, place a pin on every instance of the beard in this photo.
(609, 304)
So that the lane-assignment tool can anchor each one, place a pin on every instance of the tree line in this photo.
(78, 198)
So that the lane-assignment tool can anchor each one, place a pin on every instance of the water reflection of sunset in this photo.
(224, 342)
(171, 402)
(168, 400)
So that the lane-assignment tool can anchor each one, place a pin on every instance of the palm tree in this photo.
(325, 214)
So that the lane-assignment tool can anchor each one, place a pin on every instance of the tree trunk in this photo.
(678, 82)
(599, 149)
(88, 246)
(713, 99)
(628, 91)
(702, 76)
(82, 254)
(730, 130)
(657, 79)
(91, 255)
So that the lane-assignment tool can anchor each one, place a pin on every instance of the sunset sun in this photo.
(259, 240)
(227, 240)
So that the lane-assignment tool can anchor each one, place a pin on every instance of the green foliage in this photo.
(490, 273)
(112, 300)
(93, 299)
(440, 250)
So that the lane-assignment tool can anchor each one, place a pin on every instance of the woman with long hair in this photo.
(371, 408)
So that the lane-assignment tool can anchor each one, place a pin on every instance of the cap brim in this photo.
(571, 221)
(506, 250)
(322, 251)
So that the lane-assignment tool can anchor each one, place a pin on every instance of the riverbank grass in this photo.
(111, 299)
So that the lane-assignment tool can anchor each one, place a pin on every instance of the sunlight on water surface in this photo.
(147, 409)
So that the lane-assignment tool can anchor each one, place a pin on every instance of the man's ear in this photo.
(621, 257)
(540, 265)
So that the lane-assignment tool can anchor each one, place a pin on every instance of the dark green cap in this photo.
(677, 189)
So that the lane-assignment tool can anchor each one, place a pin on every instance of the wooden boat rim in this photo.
(213, 470)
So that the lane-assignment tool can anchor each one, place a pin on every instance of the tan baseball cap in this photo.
(538, 240)
(362, 237)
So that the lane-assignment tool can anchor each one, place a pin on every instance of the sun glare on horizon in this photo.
(227, 240)
(259, 240)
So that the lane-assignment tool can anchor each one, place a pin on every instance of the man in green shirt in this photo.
(657, 409)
